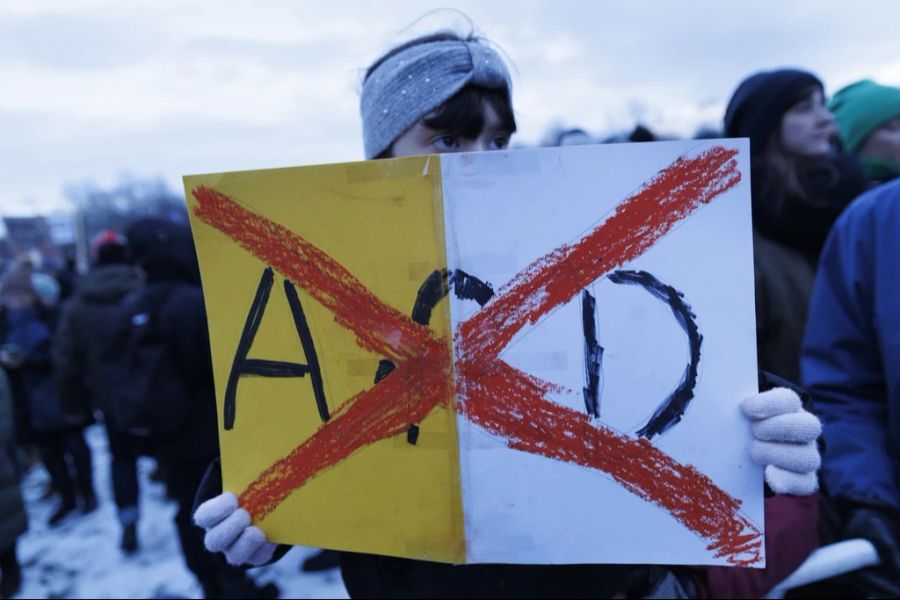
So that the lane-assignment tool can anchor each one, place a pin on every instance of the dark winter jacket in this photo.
(21, 419)
(165, 252)
(31, 335)
(13, 522)
(784, 280)
(373, 576)
(81, 329)
(851, 354)
(789, 232)
(183, 319)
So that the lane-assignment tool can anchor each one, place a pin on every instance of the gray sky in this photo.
(92, 89)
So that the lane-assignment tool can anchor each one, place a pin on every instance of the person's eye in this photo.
(445, 142)
(499, 142)
(808, 105)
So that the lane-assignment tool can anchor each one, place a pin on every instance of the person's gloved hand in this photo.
(784, 441)
(228, 530)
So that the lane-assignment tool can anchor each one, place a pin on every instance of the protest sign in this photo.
(528, 356)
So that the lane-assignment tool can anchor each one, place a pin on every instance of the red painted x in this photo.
(504, 401)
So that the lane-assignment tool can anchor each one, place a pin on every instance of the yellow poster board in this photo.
(383, 223)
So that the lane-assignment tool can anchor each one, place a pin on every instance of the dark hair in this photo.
(759, 103)
(112, 254)
(463, 113)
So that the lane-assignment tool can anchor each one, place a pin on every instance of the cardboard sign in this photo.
(527, 357)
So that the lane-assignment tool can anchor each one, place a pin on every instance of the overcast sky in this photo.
(92, 89)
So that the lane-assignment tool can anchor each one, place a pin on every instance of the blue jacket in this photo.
(851, 353)
(32, 337)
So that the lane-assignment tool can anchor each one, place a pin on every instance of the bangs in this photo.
(804, 94)
(463, 114)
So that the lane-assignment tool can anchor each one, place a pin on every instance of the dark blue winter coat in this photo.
(31, 337)
(851, 354)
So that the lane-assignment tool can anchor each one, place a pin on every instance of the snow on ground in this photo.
(80, 558)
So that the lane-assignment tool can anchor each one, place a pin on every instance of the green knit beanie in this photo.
(861, 108)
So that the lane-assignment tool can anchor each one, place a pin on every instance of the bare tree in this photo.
(131, 198)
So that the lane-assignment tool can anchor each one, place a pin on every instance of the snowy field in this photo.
(80, 558)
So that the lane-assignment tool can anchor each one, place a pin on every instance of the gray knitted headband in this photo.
(413, 83)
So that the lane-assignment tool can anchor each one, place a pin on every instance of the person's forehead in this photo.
(813, 92)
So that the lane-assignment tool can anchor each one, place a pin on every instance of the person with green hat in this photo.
(868, 118)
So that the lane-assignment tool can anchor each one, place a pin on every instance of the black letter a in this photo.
(273, 368)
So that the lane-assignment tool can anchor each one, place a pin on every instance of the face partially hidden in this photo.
(884, 142)
(808, 126)
(421, 139)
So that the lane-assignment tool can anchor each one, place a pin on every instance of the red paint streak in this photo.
(509, 403)
(406, 396)
(379, 328)
(635, 225)
(493, 395)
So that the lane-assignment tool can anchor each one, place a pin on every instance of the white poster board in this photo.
(504, 211)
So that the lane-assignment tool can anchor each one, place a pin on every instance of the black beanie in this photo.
(757, 106)
(112, 254)
(165, 250)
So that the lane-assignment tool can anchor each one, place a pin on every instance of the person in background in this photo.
(799, 185)
(460, 101)
(573, 137)
(27, 298)
(164, 251)
(640, 133)
(14, 522)
(851, 365)
(66, 277)
(83, 325)
(868, 118)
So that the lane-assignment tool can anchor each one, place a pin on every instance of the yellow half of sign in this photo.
(383, 222)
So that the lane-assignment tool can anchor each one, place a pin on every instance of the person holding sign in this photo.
(447, 93)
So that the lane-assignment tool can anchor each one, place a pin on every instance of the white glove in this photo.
(784, 441)
(228, 530)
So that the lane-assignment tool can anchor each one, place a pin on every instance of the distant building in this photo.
(32, 234)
